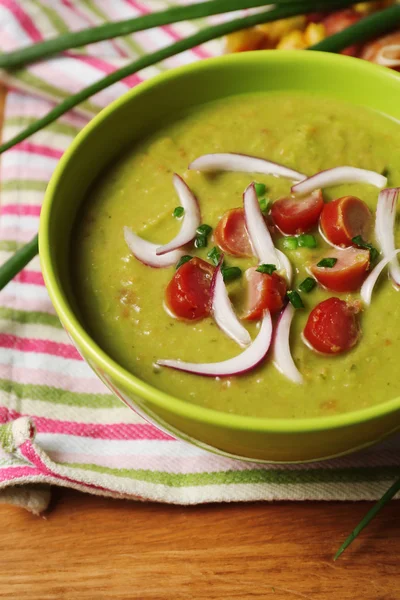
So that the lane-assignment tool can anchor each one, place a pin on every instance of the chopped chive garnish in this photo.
(294, 299)
(290, 243)
(260, 188)
(306, 240)
(184, 259)
(327, 262)
(178, 212)
(203, 231)
(231, 273)
(214, 255)
(307, 285)
(265, 204)
(266, 269)
(373, 252)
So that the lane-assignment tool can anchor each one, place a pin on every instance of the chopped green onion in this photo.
(214, 255)
(290, 243)
(184, 259)
(178, 212)
(266, 269)
(265, 204)
(306, 240)
(231, 273)
(373, 252)
(203, 231)
(307, 285)
(295, 299)
(260, 188)
(327, 262)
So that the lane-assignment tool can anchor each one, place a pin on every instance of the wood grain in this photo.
(93, 548)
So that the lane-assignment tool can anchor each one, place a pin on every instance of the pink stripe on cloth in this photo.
(23, 19)
(28, 146)
(11, 473)
(120, 431)
(12, 234)
(20, 104)
(26, 210)
(79, 385)
(41, 346)
(105, 67)
(32, 277)
(27, 172)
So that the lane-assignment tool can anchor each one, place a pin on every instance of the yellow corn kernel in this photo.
(365, 8)
(277, 29)
(314, 33)
(246, 39)
(292, 41)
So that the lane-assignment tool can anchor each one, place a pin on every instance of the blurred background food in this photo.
(298, 33)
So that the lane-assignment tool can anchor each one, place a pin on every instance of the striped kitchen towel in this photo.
(59, 424)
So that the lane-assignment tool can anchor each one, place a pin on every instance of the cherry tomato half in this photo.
(188, 294)
(297, 215)
(231, 234)
(347, 274)
(264, 291)
(372, 50)
(333, 326)
(342, 219)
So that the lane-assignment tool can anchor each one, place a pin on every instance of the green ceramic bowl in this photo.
(146, 106)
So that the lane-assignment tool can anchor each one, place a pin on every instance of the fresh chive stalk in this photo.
(327, 263)
(368, 517)
(269, 269)
(18, 261)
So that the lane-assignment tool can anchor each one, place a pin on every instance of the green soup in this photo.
(121, 300)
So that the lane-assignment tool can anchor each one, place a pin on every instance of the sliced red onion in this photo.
(260, 237)
(282, 356)
(244, 362)
(223, 312)
(191, 219)
(369, 284)
(146, 252)
(384, 228)
(389, 56)
(231, 161)
(337, 176)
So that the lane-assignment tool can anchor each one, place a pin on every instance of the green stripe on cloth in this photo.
(252, 476)
(52, 15)
(57, 127)
(58, 396)
(8, 245)
(6, 437)
(22, 316)
(27, 185)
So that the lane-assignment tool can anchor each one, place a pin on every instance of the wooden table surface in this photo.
(92, 548)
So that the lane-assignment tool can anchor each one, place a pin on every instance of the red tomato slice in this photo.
(340, 20)
(344, 218)
(297, 215)
(231, 234)
(188, 294)
(264, 291)
(333, 326)
(347, 274)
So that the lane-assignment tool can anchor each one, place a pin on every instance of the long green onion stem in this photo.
(368, 28)
(36, 52)
(369, 516)
(18, 261)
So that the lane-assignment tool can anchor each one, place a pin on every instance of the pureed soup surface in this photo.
(121, 300)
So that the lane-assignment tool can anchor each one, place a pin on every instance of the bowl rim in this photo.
(100, 358)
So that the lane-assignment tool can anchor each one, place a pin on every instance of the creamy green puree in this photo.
(121, 300)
